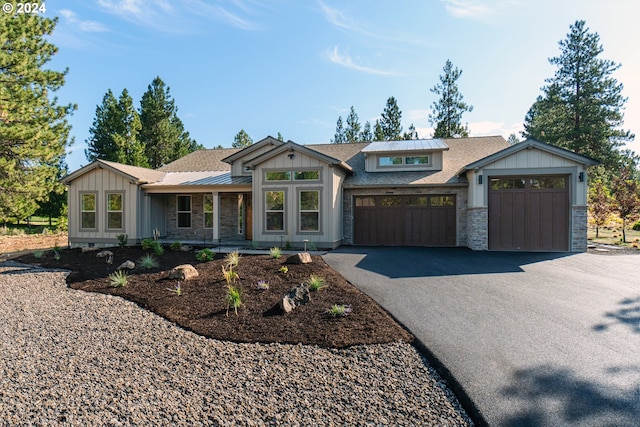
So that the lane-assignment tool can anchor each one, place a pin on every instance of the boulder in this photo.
(186, 248)
(127, 265)
(297, 296)
(89, 249)
(299, 258)
(183, 272)
(104, 254)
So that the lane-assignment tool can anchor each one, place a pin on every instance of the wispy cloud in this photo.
(72, 19)
(346, 61)
(469, 9)
(486, 128)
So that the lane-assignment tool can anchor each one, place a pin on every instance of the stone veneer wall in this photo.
(478, 228)
(578, 229)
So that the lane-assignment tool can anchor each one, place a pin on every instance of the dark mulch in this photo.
(202, 308)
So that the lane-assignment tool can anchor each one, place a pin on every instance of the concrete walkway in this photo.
(534, 339)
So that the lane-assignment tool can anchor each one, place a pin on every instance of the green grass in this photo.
(612, 235)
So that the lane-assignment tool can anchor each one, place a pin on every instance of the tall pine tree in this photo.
(352, 131)
(339, 137)
(446, 113)
(390, 122)
(367, 134)
(242, 140)
(34, 132)
(582, 107)
(100, 144)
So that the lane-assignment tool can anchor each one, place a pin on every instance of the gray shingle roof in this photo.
(143, 175)
(202, 160)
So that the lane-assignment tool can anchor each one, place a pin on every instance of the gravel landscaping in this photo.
(69, 357)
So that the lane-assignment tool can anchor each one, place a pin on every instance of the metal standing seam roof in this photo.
(406, 145)
(200, 178)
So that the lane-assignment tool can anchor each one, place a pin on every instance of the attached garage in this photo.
(529, 213)
(405, 220)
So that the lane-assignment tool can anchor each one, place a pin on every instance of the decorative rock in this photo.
(186, 248)
(299, 258)
(183, 272)
(299, 295)
(104, 254)
(89, 249)
(110, 259)
(129, 265)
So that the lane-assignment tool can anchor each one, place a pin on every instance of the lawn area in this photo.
(32, 225)
(611, 234)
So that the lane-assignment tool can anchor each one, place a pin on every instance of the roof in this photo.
(462, 151)
(406, 145)
(138, 174)
(307, 149)
(202, 160)
(529, 144)
(200, 178)
(240, 153)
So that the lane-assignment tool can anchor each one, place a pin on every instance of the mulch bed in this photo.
(202, 307)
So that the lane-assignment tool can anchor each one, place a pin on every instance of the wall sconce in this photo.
(291, 155)
(480, 179)
(581, 177)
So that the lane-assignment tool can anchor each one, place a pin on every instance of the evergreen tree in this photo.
(34, 132)
(100, 144)
(513, 139)
(242, 140)
(390, 121)
(366, 135)
(339, 137)
(582, 106)
(352, 131)
(412, 133)
(378, 133)
(162, 133)
(280, 137)
(446, 113)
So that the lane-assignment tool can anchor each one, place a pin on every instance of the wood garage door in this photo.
(417, 220)
(529, 213)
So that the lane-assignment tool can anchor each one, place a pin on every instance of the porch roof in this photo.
(186, 179)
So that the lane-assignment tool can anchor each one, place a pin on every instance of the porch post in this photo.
(216, 216)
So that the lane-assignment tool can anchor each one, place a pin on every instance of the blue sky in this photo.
(294, 66)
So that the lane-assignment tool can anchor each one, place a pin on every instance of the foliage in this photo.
(378, 133)
(582, 106)
(34, 132)
(284, 269)
(205, 254)
(177, 289)
(175, 246)
(118, 279)
(232, 259)
(233, 298)
(122, 240)
(339, 310)
(55, 205)
(367, 134)
(262, 285)
(280, 137)
(315, 282)
(287, 245)
(339, 137)
(157, 248)
(446, 113)
(148, 261)
(147, 244)
(390, 121)
(412, 133)
(312, 246)
(56, 253)
(599, 204)
(229, 275)
(352, 130)
(275, 252)
(636, 226)
(626, 194)
(513, 139)
(38, 254)
(242, 140)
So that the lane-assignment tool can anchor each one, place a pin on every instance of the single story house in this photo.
(477, 192)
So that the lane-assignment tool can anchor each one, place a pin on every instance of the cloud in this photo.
(346, 61)
(495, 128)
(472, 9)
(71, 18)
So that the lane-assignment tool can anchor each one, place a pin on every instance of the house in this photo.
(477, 192)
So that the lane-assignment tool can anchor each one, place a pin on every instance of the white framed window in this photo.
(88, 211)
(387, 161)
(184, 211)
(309, 210)
(310, 175)
(278, 176)
(207, 209)
(115, 211)
(274, 210)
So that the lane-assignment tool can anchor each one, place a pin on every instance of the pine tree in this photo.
(34, 132)
(446, 113)
(129, 149)
(582, 106)
(513, 139)
(242, 140)
(280, 137)
(162, 132)
(412, 133)
(339, 137)
(390, 121)
(352, 131)
(378, 133)
(366, 135)
(100, 144)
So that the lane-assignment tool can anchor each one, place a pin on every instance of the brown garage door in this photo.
(417, 220)
(529, 213)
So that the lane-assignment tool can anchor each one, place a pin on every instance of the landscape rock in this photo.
(89, 249)
(299, 258)
(104, 254)
(186, 248)
(183, 272)
(297, 296)
(128, 265)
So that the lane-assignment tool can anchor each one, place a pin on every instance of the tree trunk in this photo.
(624, 236)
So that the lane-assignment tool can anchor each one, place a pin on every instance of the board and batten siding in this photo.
(237, 168)
(100, 182)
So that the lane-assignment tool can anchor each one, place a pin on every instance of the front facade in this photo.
(476, 192)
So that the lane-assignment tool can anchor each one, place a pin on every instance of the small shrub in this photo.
(175, 246)
(147, 244)
(315, 282)
(636, 226)
(284, 269)
(275, 252)
(287, 245)
(56, 254)
(339, 310)
(157, 248)
(262, 285)
(177, 289)
(229, 275)
(118, 279)
(148, 262)
(38, 254)
(234, 299)
(122, 240)
(205, 254)
(232, 259)
(312, 246)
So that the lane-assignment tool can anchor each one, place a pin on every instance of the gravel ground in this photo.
(74, 358)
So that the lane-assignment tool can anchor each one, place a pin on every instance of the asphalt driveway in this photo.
(534, 339)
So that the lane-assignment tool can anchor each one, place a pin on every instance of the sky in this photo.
(295, 66)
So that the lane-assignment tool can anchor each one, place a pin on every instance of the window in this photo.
(365, 202)
(278, 176)
(442, 201)
(184, 211)
(207, 209)
(114, 211)
(241, 214)
(309, 210)
(88, 211)
(547, 182)
(507, 183)
(306, 175)
(416, 160)
(403, 160)
(416, 201)
(389, 161)
(274, 208)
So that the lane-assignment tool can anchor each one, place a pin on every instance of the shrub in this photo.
(262, 285)
(636, 226)
(234, 298)
(275, 252)
(118, 279)
(147, 244)
(205, 254)
(287, 245)
(157, 248)
(232, 259)
(229, 275)
(175, 246)
(339, 310)
(148, 261)
(315, 282)
(56, 254)
(284, 269)
(122, 240)
(38, 254)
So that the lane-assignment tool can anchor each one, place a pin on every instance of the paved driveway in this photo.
(533, 339)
